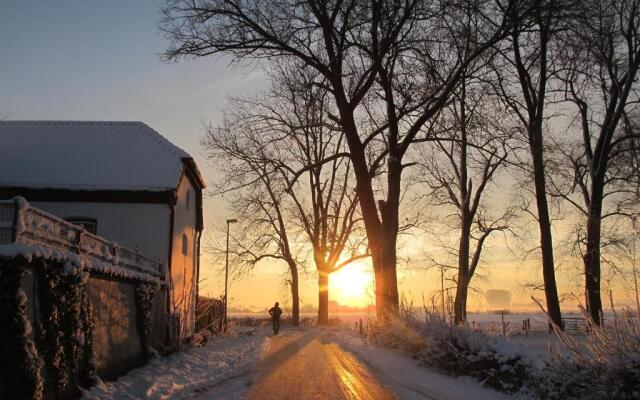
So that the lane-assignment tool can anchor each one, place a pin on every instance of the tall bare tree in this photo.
(523, 77)
(258, 194)
(600, 70)
(460, 166)
(402, 54)
(291, 124)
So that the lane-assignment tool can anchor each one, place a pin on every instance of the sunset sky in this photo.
(98, 60)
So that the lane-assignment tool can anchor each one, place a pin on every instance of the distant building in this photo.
(498, 299)
(120, 180)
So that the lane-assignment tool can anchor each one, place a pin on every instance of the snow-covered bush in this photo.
(396, 334)
(606, 365)
(458, 350)
(454, 350)
(20, 363)
(66, 327)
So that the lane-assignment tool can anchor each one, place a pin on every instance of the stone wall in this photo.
(117, 343)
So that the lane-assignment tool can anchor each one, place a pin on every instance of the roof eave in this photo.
(193, 168)
(167, 196)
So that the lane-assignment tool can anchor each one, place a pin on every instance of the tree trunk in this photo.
(387, 299)
(388, 306)
(295, 298)
(382, 231)
(462, 287)
(592, 254)
(466, 219)
(323, 296)
(546, 240)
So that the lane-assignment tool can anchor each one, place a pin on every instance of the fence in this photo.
(210, 315)
(21, 224)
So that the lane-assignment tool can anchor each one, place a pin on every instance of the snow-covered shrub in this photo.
(65, 332)
(307, 322)
(20, 363)
(396, 334)
(606, 365)
(454, 350)
(458, 350)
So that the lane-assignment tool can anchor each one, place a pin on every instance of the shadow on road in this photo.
(294, 343)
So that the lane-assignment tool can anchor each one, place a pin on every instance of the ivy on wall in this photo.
(144, 312)
(64, 359)
(66, 326)
(20, 364)
(58, 357)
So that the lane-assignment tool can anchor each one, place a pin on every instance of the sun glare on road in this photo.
(352, 285)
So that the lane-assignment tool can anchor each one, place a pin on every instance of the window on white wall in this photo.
(185, 244)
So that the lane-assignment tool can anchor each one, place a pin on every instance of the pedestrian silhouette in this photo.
(275, 313)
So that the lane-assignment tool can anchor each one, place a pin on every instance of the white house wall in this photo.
(183, 266)
(131, 225)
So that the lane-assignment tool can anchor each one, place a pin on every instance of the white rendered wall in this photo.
(183, 266)
(131, 225)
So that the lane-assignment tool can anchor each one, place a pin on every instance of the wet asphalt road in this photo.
(303, 366)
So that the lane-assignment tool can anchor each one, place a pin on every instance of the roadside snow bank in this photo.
(406, 377)
(181, 374)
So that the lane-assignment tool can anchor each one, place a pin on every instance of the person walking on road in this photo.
(275, 313)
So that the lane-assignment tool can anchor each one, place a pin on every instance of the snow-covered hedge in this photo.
(57, 357)
(604, 366)
(20, 363)
(451, 349)
(66, 326)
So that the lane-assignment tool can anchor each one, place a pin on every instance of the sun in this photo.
(351, 285)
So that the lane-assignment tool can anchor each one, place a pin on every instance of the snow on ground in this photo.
(533, 346)
(186, 374)
(226, 366)
(406, 378)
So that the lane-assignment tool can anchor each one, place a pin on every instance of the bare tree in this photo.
(402, 54)
(600, 69)
(570, 182)
(290, 122)
(257, 193)
(459, 167)
(527, 65)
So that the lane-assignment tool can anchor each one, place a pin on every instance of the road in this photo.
(304, 366)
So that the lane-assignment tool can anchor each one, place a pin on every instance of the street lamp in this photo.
(226, 274)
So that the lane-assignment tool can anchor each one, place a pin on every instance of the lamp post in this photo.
(226, 275)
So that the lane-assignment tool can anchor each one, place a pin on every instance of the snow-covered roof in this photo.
(88, 155)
